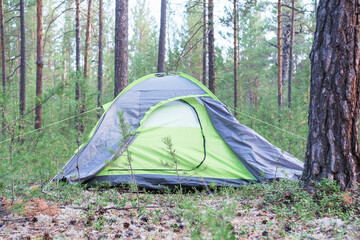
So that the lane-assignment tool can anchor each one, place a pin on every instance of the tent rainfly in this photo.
(210, 145)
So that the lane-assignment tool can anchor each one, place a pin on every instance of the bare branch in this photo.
(187, 42)
(51, 22)
(11, 19)
(271, 44)
(13, 58)
(13, 72)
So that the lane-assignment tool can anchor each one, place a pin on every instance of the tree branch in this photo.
(13, 58)
(13, 71)
(11, 19)
(271, 44)
(51, 22)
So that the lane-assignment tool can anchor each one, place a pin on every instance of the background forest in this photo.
(32, 156)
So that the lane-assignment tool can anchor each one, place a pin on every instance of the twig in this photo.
(115, 208)
(14, 220)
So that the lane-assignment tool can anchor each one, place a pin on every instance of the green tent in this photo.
(210, 145)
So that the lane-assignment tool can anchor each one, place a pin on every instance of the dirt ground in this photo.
(41, 219)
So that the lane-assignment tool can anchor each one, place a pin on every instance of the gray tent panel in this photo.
(262, 159)
(151, 181)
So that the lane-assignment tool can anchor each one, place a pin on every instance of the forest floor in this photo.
(252, 213)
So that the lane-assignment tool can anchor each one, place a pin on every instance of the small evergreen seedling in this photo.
(169, 146)
(126, 134)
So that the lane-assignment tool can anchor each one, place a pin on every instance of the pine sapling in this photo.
(12, 163)
(126, 134)
(169, 146)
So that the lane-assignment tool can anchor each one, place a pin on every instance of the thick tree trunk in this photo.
(291, 55)
(333, 139)
(204, 72)
(100, 60)
(211, 47)
(39, 66)
(235, 62)
(23, 59)
(3, 66)
(279, 45)
(161, 55)
(121, 46)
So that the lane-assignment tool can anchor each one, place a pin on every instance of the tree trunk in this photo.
(161, 55)
(39, 66)
(291, 57)
(235, 63)
(285, 52)
(121, 46)
(86, 54)
(204, 45)
(211, 47)
(279, 45)
(77, 62)
(333, 138)
(100, 60)
(3, 66)
(87, 39)
(23, 60)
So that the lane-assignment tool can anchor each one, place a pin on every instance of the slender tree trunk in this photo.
(211, 47)
(204, 72)
(121, 46)
(161, 55)
(279, 44)
(77, 62)
(291, 57)
(100, 60)
(87, 39)
(285, 52)
(3, 66)
(333, 138)
(86, 54)
(23, 60)
(39, 66)
(235, 62)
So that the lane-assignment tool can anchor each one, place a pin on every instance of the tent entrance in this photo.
(177, 120)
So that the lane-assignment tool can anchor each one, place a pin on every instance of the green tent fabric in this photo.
(210, 145)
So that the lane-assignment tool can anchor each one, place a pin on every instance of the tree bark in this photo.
(121, 46)
(291, 57)
(285, 52)
(204, 70)
(279, 45)
(77, 62)
(100, 60)
(87, 39)
(211, 47)
(333, 138)
(22, 60)
(39, 66)
(3, 64)
(161, 55)
(86, 54)
(235, 63)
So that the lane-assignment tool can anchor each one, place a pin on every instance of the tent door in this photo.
(177, 120)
